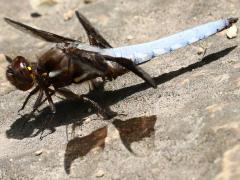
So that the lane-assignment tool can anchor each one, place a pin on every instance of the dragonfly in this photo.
(72, 61)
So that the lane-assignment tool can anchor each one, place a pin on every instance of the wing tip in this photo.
(8, 20)
(78, 14)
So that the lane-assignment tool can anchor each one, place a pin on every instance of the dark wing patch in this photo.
(91, 64)
(128, 64)
(47, 36)
(94, 37)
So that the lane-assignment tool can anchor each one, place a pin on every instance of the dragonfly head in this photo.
(20, 73)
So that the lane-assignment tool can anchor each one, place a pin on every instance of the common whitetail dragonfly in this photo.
(72, 61)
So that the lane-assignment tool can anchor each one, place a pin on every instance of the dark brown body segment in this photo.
(70, 68)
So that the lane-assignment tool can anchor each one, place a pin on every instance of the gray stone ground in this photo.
(188, 128)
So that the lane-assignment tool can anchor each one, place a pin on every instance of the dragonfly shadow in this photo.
(68, 111)
(130, 131)
(72, 111)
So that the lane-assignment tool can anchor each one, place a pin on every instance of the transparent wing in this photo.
(94, 37)
(47, 36)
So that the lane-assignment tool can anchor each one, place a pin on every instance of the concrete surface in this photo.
(187, 128)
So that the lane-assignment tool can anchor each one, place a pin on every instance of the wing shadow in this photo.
(81, 146)
(135, 129)
(130, 130)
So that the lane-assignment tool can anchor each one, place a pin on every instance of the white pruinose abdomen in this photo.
(144, 52)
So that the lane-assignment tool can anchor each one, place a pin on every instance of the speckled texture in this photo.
(196, 104)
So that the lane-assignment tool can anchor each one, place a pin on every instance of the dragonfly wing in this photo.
(95, 38)
(44, 35)
(131, 66)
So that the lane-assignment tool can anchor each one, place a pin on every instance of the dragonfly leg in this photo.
(50, 116)
(96, 84)
(70, 95)
(34, 91)
(37, 104)
(102, 111)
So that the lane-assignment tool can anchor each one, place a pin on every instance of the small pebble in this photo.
(38, 153)
(129, 37)
(200, 50)
(87, 1)
(48, 2)
(232, 32)
(100, 173)
(41, 44)
(68, 15)
(35, 15)
(87, 120)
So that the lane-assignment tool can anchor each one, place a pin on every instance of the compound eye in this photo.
(19, 73)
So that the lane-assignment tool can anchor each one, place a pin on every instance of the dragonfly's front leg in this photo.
(35, 107)
(51, 115)
(34, 91)
(105, 114)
